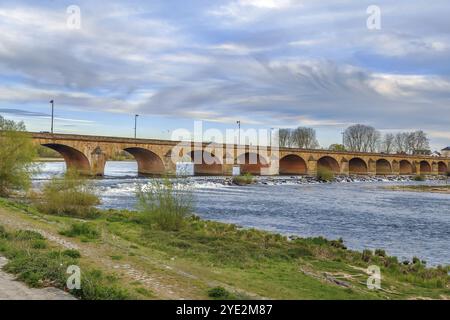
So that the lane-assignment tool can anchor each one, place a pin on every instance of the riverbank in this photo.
(208, 259)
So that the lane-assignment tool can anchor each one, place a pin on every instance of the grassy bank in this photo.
(207, 259)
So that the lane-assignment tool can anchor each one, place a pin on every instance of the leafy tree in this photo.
(17, 153)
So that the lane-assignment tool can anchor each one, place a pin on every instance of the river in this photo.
(364, 214)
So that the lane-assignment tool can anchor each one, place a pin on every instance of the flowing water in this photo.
(364, 214)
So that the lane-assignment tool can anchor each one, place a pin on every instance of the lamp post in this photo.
(239, 131)
(135, 125)
(271, 129)
(53, 112)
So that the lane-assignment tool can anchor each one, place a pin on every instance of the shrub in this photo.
(72, 253)
(40, 269)
(218, 293)
(39, 244)
(3, 233)
(84, 230)
(165, 203)
(96, 286)
(72, 195)
(380, 252)
(324, 174)
(419, 178)
(366, 255)
(28, 235)
(244, 179)
(17, 153)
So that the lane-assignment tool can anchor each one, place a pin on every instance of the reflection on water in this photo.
(363, 214)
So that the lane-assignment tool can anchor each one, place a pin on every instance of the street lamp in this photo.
(271, 129)
(239, 131)
(135, 124)
(53, 112)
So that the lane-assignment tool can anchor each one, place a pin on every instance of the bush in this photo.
(325, 174)
(72, 253)
(165, 203)
(244, 179)
(84, 230)
(39, 244)
(218, 293)
(419, 178)
(17, 153)
(72, 195)
(96, 286)
(3, 233)
(40, 269)
(28, 235)
(366, 255)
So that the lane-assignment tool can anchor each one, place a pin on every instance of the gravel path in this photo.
(10, 289)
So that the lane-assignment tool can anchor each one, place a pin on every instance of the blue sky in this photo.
(268, 63)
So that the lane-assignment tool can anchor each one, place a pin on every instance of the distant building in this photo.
(446, 152)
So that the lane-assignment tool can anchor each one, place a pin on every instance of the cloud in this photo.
(268, 62)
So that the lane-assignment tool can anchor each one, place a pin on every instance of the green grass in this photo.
(269, 264)
(46, 265)
(246, 263)
(84, 230)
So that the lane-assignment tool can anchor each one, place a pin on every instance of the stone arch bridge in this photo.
(89, 154)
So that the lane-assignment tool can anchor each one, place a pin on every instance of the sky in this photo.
(266, 63)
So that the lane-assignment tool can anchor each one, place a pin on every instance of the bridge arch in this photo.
(405, 167)
(442, 167)
(75, 159)
(383, 167)
(357, 166)
(149, 163)
(329, 163)
(292, 164)
(252, 163)
(208, 164)
(425, 167)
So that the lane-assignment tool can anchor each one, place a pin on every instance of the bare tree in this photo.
(284, 138)
(419, 141)
(401, 143)
(411, 142)
(387, 144)
(304, 138)
(361, 138)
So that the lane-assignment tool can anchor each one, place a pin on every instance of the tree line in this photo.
(359, 138)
